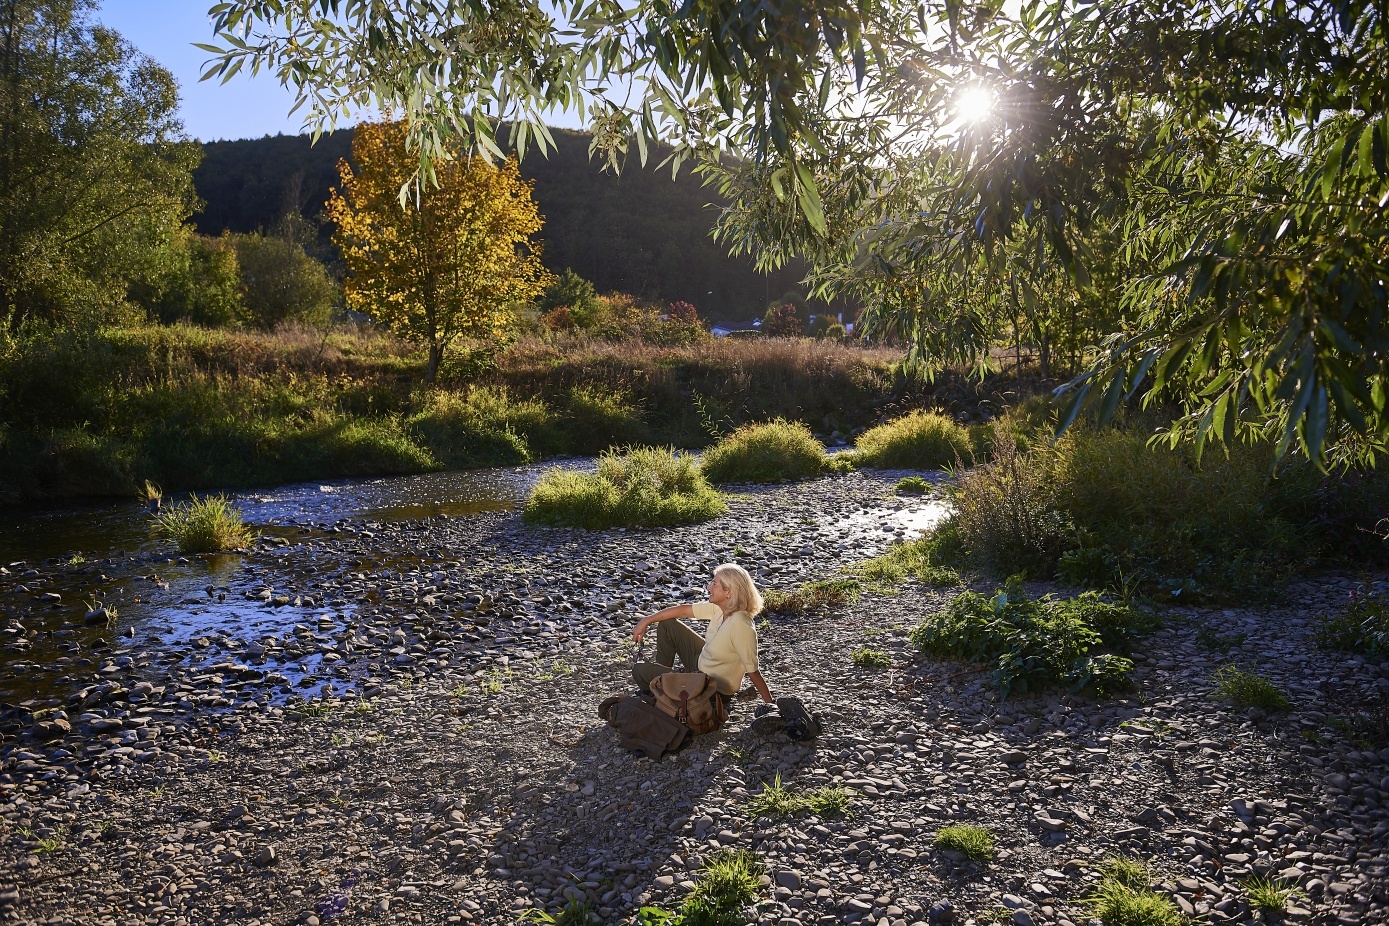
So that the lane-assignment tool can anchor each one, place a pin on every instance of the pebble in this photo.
(466, 778)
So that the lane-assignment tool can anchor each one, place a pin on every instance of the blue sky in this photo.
(165, 30)
(244, 107)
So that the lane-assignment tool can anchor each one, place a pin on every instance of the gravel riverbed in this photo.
(449, 767)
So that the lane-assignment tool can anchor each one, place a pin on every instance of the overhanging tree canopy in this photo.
(1221, 165)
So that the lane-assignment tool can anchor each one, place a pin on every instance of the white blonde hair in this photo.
(746, 597)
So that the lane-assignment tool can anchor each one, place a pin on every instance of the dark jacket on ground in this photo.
(642, 725)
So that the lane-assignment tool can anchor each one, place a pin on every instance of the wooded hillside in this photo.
(638, 233)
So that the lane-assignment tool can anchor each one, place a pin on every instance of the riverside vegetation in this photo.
(197, 408)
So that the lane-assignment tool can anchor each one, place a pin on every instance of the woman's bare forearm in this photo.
(760, 684)
(665, 614)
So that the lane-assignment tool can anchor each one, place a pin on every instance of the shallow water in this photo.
(109, 554)
(168, 606)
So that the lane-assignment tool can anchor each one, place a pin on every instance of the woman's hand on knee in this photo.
(639, 631)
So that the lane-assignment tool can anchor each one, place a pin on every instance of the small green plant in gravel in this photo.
(1363, 627)
(778, 451)
(50, 844)
(824, 593)
(727, 886)
(865, 657)
(1207, 637)
(309, 710)
(638, 487)
(1268, 894)
(1124, 897)
(913, 485)
(973, 842)
(1035, 644)
(1248, 689)
(920, 440)
(204, 525)
(778, 800)
(575, 913)
(931, 560)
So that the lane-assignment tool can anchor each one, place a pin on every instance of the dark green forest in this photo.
(638, 232)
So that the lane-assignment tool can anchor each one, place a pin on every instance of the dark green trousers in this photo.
(672, 639)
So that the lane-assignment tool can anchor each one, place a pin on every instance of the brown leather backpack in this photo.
(691, 698)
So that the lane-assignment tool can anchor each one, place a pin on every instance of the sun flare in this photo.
(975, 104)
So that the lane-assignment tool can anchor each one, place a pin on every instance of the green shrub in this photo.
(204, 525)
(1033, 644)
(1124, 897)
(1151, 517)
(778, 451)
(280, 282)
(485, 427)
(920, 440)
(597, 419)
(913, 485)
(1363, 627)
(1248, 689)
(640, 487)
(1006, 515)
(973, 842)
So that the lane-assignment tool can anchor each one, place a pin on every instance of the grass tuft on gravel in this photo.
(866, 657)
(727, 886)
(1268, 894)
(777, 451)
(973, 842)
(920, 440)
(204, 525)
(1248, 689)
(812, 596)
(1124, 897)
(927, 560)
(638, 487)
(777, 800)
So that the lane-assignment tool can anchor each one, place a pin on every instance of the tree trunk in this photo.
(436, 354)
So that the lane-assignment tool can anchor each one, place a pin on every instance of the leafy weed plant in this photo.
(1248, 689)
(204, 525)
(575, 913)
(1035, 644)
(865, 657)
(913, 485)
(920, 440)
(639, 487)
(973, 842)
(1363, 627)
(778, 451)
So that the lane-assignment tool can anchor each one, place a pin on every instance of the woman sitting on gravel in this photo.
(728, 649)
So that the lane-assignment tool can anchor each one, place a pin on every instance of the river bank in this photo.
(97, 414)
(456, 770)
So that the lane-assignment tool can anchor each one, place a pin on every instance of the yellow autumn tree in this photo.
(448, 263)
